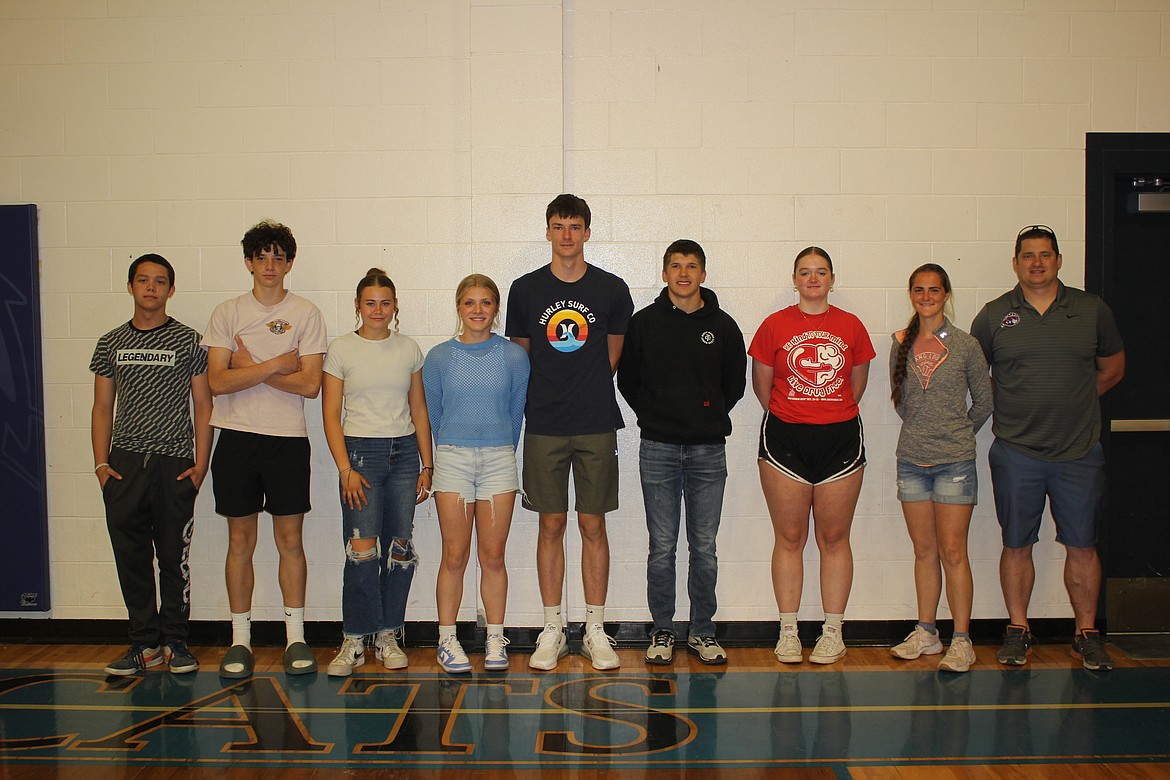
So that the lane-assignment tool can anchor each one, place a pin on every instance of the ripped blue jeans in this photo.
(375, 585)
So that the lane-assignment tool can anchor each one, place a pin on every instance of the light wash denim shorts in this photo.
(475, 473)
(945, 483)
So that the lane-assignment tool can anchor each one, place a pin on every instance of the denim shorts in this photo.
(1075, 490)
(475, 473)
(944, 483)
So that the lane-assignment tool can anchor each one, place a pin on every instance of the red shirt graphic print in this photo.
(812, 357)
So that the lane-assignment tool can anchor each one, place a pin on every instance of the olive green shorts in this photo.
(593, 458)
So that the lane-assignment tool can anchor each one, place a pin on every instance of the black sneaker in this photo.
(1017, 645)
(179, 658)
(661, 649)
(1089, 647)
(137, 659)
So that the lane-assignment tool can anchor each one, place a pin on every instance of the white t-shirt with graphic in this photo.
(267, 331)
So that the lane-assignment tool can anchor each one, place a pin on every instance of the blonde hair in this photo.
(470, 282)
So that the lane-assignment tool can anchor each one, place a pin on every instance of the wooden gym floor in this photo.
(869, 717)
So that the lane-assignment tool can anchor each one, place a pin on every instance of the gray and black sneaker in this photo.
(661, 649)
(707, 649)
(138, 658)
(1089, 647)
(1017, 646)
(179, 657)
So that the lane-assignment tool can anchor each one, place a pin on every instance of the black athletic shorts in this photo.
(812, 454)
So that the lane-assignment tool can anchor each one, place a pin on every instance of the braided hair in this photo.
(898, 376)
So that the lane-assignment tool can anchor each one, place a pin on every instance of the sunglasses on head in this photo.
(1041, 228)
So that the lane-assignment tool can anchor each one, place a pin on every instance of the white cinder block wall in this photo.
(426, 136)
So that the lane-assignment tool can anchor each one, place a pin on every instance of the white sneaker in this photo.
(919, 642)
(788, 648)
(551, 646)
(495, 656)
(598, 647)
(960, 655)
(388, 651)
(830, 648)
(351, 656)
(451, 656)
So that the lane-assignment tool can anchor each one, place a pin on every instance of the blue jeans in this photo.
(671, 475)
(375, 585)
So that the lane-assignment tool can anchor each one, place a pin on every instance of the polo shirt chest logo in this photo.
(1010, 320)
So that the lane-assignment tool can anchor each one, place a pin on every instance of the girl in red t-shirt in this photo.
(810, 365)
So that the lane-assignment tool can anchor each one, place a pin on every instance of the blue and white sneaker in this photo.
(495, 653)
(451, 656)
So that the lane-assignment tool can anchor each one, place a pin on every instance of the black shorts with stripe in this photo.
(812, 454)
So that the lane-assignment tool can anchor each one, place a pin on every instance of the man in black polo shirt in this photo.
(1053, 350)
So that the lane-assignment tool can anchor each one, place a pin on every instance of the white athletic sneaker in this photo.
(551, 646)
(495, 654)
(830, 648)
(351, 656)
(451, 656)
(388, 651)
(960, 655)
(788, 649)
(919, 642)
(598, 647)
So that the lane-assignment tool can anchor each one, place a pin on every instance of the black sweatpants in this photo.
(150, 514)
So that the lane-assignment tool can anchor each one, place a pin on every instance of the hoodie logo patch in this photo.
(708, 337)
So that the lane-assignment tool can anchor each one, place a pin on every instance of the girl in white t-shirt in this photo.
(384, 461)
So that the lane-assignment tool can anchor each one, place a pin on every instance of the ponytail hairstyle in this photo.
(912, 329)
(376, 277)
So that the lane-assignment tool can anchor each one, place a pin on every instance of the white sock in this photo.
(242, 629)
(594, 615)
(833, 621)
(788, 622)
(495, 628)
(552, 616)
(294, 625)
(446, 631)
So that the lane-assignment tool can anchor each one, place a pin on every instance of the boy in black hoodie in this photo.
(683, 368)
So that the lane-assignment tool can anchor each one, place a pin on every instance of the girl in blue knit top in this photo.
(476, 384)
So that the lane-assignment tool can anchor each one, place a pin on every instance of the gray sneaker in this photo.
(179, 658)
(661, 649)
(707, 649)
(1089, 647)
(138, 658)
(1017, 646)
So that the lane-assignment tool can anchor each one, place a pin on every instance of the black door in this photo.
(1128, 264)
